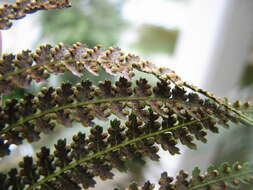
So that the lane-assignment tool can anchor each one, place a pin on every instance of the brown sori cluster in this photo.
(22, 7)
(216, 178)
(70, 166)
(28, 117)
(19, 70)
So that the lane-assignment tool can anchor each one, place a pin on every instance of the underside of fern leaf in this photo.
(28, 117)
(19, 70)
(100, 152)
(97, 154)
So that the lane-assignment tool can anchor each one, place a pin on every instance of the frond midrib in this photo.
(84, 103)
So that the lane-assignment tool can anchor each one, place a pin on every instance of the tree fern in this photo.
(144, 118)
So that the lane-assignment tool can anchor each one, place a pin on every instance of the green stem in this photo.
(69, 106)
(114, 148)
(74, 105)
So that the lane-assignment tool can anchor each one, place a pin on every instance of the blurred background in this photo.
(208, 42)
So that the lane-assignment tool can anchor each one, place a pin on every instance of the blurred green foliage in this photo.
(247, 76)
(89, 21)
(156, 39)
(19, 93)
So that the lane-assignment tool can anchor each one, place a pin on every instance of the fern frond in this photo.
(100, 152)
(19, 10)
(19, 70)
(28, 117)
(166, 74)
(222, 177)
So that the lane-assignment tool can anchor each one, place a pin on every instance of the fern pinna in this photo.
(144, 117)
